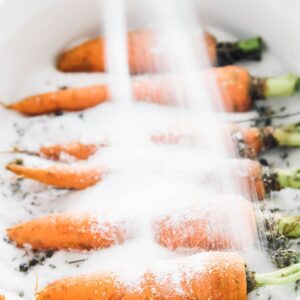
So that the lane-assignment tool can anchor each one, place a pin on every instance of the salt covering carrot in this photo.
(268, 179)
(205, 276)
(249, 174)
(252, 141)
(245, 172)
(192, 228)
(259, 180)
(196, 277)
(233, 83)
(237, 88)
(249, 141)
(68, 231)
(67, 177)
(90, 56)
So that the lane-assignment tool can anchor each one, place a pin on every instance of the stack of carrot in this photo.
(212, 275)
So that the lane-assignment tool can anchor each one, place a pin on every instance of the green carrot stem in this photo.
(248, 49)
(288, 178)
(252, 45)
(288, 135)
(281, 86)
(289, 226)
(283, 276)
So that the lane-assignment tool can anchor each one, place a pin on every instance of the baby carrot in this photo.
(264, 179)
(64, 176)
(74, 149)
(67, 231)
(249, 141)
(238, 90)
(252, 141)
(64, 100)
(90, 56)
(191, 227)
(205, 276)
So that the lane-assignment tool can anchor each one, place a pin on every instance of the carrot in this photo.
(250, 175)
(233, 83)
(247, 173)
(64, 176)
(250, 142)
(76, 149)
(66, 231)
(90, 56)
(266, 179)
(191, 227)
(63, 100)
(195, 277)
(205, 276)
(237, 88)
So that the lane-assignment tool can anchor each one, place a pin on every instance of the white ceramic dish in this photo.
(32, 32)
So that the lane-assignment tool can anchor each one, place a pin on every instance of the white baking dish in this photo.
(33, 32)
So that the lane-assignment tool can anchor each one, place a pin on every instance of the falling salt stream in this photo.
(177, 29)
(146, 180)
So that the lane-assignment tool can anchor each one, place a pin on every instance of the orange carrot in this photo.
(75, 149)
(68, 231)
(64, 100)
(257, 180)
(233, 82)
(90, 56)
(237, 88)
(250, 142)
(191, 227)
(249, 174)
(206, 276)
(234, 86)
(67, 177)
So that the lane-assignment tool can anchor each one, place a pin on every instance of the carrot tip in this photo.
(5, 105)
(12, 178)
